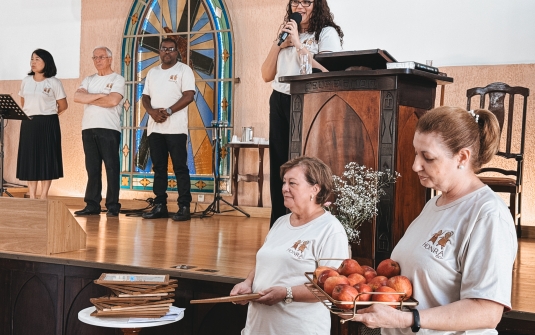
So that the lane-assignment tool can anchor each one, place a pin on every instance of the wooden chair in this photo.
(506, 180)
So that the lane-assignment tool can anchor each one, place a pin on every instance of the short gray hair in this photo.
(108, 51)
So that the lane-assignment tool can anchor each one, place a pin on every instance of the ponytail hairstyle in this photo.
(478, 130)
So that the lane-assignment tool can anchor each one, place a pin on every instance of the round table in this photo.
(127, 327)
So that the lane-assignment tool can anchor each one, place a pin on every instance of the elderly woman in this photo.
(459, 252)
(292, 247)
(317, 33)
(43, 98)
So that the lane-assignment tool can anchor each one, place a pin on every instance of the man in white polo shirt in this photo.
(169, 89)
(101, 94)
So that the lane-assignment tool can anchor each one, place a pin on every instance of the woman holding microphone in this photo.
(316, 33)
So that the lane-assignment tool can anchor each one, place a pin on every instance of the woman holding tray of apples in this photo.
(459, 252)
(292, 247)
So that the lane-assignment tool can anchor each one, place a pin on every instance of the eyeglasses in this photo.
(165, 49)
(100, 57)
(304, 3)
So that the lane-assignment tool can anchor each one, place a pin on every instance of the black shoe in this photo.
(87, 211)
(158, 211)
(112, 213)
(183, 214)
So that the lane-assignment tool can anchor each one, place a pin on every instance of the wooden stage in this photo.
(219, 249)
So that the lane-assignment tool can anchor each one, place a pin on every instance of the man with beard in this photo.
(169, 89)
(101, 94)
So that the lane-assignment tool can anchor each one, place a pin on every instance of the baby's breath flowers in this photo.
(357, 193)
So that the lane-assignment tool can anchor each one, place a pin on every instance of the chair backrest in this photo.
(496, 94)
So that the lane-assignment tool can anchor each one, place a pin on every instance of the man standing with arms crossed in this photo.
(101, 94)
(169, 89)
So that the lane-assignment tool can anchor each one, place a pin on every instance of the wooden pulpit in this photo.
(368, 117)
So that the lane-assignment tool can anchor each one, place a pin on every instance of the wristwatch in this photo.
(289, 296)
(169, 111)
(416, 324)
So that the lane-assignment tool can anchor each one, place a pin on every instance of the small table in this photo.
(127, 327)
(237, 177)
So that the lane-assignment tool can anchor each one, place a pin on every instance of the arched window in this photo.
(203, 33)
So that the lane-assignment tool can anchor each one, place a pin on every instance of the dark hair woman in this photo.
(316, 33)
(43, 98)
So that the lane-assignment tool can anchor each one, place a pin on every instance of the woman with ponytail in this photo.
(459, 252)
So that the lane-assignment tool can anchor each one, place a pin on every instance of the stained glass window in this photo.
(202, 31)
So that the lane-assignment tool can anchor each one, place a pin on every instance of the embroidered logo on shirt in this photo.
(46, 90)
(438, 243)
(173, 77)
(298, 249)
(109, 86)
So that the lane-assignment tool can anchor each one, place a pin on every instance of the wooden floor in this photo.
(219, 248)
(523, 295)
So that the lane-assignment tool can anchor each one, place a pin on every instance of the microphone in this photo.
(297, 18)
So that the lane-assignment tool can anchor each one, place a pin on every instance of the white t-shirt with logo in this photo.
(288, 252)
(40, 96)
(165, 88)
(288, 63)
(462, 250)
(103, 117)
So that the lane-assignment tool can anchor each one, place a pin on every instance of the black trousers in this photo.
(161, 146)
(279, 142)
(102, 145)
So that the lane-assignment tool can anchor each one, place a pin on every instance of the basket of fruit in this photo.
(352, 286)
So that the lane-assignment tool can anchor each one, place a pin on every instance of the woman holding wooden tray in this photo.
(459, 252)
(292, 247)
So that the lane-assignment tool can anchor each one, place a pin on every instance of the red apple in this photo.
(370, 274)
(355, 279)
(345, 293)
(377, 282)
(318, 271)
(401, 284)
(363, 289)
(386, 295)
(331, 282)
(388, 268)
(349, 266)
(366, 268)
(326, 274)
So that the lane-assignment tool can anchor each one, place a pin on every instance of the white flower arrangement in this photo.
(357, 193)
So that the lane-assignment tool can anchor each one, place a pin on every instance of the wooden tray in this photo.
(330, 303)
(232, 298)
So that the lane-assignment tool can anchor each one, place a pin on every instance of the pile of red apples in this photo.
(353, 282)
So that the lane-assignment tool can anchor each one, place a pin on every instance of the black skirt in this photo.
(39, 156)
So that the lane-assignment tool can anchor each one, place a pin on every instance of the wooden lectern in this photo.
(42, 227)
(368, 117)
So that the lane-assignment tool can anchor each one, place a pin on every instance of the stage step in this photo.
(17, 192)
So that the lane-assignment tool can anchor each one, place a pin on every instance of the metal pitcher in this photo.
(247, 134)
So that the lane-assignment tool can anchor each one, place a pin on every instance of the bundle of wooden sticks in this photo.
(142, 296)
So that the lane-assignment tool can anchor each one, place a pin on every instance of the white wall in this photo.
(26, 25)
(449, 32)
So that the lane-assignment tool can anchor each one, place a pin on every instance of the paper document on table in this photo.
(174, 314)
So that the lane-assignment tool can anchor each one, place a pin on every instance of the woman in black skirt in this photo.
(43, 98)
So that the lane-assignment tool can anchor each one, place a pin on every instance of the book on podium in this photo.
(412, 65)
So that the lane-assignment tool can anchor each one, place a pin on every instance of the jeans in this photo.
(102, 145)
(161, 146)
(279, 143)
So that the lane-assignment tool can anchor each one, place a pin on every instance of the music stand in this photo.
(218, 127)
(9, 109)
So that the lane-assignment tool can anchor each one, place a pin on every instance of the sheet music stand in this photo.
(9, 109)
(218, 127)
